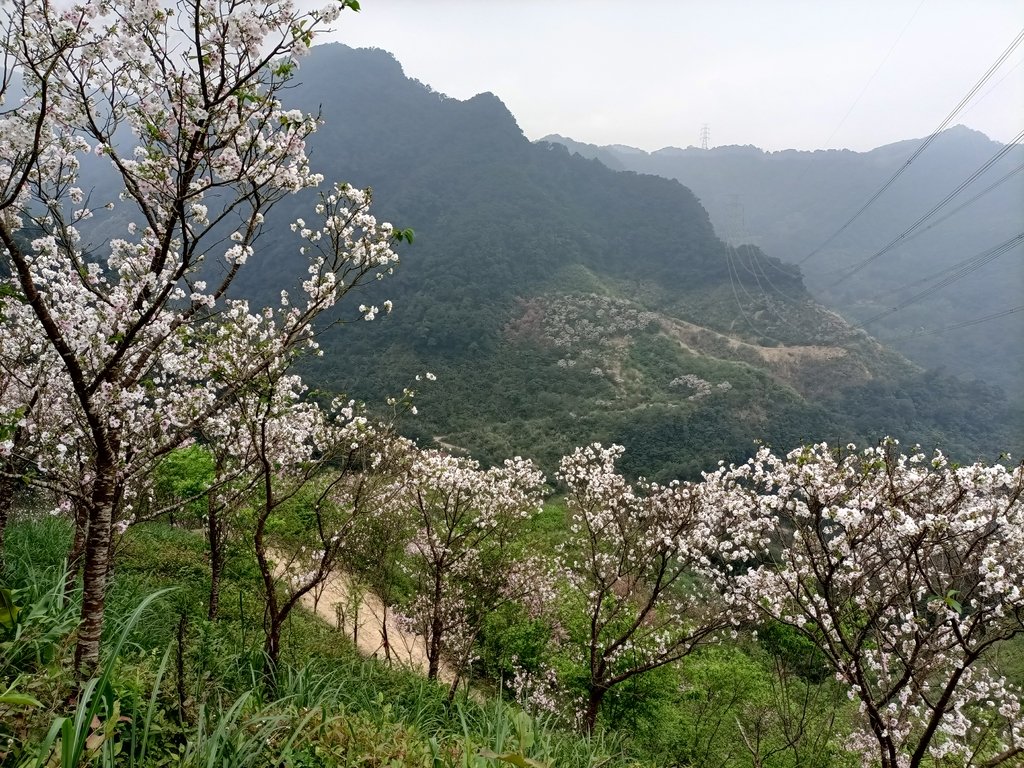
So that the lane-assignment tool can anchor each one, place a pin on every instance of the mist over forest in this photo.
(789, 203)
(519, 243)
(344, 424)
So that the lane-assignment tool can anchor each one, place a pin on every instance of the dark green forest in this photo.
(789, 203)
(514, 239)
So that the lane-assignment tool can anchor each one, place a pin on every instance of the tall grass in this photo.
(89, 730)
(35, 545)
(329, 707)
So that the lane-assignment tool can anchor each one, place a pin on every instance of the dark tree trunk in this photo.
(433, 657)
(214, 534)
(385, 642)
(436, 633)
(272, 650)
(594, 699)
(97, 567)
(77, 550)
(271, 615)
(454, 688)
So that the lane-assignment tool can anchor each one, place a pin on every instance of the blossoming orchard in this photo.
(137, 384)
(120, 353)
(906, 573)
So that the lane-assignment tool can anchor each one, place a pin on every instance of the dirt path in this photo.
(451, 447)
(689, 336)
(809, 369)
(365, 620)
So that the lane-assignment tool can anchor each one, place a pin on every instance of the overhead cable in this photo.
(935, 275)
(998, 182)
(966, 268)
(965, 324)
(938, 206)
(924, 145)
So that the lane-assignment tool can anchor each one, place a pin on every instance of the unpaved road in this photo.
(407, 648)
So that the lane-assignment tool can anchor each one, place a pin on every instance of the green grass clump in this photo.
(176, 689)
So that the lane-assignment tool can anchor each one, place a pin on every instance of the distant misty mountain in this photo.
(788, 203)
(561, 302)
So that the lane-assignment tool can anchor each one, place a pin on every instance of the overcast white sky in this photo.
(775, 73)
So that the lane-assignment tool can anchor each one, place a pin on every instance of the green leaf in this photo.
(514, 758)
(8, 610)
(952, 602)
(19, 700)
(9, 292)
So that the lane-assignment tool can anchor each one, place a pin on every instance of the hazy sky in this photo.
(775, 73)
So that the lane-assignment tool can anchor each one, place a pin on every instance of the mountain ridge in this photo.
(958, 130)
(792, 204)
(561, 303)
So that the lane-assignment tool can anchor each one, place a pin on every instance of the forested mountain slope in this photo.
(789, 203)
(560, 302)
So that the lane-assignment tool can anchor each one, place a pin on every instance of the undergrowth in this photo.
(177, 689)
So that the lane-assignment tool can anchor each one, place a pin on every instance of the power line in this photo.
(942, 203)
(736, 230)
(995, 85)
(994, 185)
(941, 272)
(739, 305)
(760, 265)
(752, 271)
(908, 235)
(736, 279)
(874, 74)
(924, 145)
(998, 182)
(966, 267)
(965, 324)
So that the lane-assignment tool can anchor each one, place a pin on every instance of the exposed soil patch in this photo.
(801, 367)
(361, 616)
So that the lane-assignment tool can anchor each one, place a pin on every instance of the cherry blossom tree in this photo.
(638, 563)
(375, 560)
(907, 574)
(183, 101)
(462, 555)
(21, 383)
(317, 470)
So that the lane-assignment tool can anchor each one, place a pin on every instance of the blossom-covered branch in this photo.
(906, 572)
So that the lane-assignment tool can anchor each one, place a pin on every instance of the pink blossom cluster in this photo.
(116, 353)
(905, 572)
